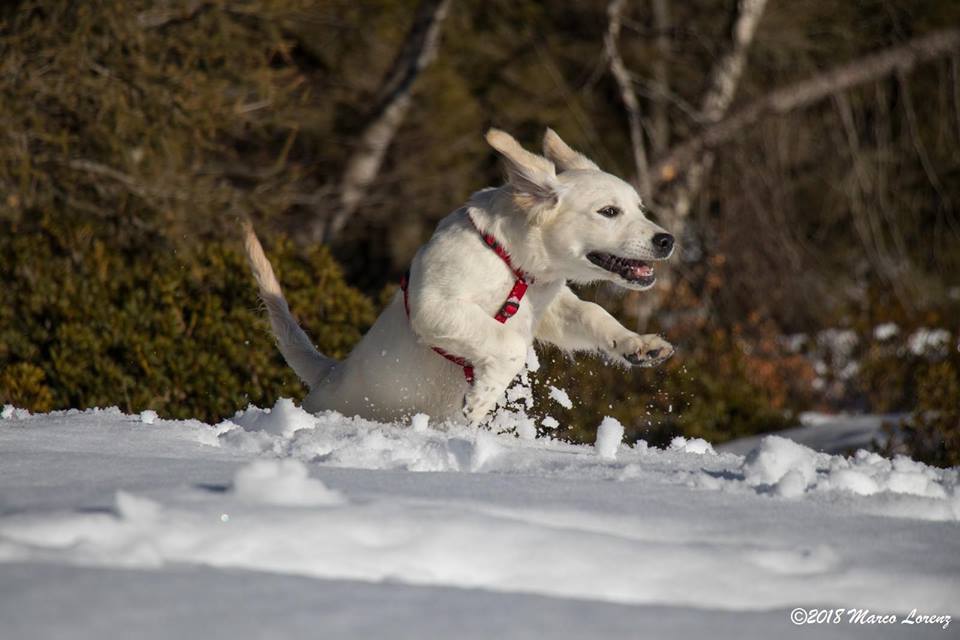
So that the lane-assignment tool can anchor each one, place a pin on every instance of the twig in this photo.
(806, 92)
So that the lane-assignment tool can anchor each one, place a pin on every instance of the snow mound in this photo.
(10, 412)
(785, 468)
(692, 445)
(776, 467)
(609, 436)
(420, 422)
(775, 458)
(284, 419)
(282, 482)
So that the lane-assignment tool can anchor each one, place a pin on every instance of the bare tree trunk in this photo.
(724, 80)
(676, 204)
(726, 73)
(660, 122)
(801, 94)
(395, 96)
(629, 97)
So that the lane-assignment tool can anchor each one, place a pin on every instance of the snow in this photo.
(526, 429)
(549, 422)
(420, 422)
(282, 482)
(828, 433)
(692, 445)
(840, 343)
(533, 361)
(775, 458)
(924, 341)
(10, 411)
(284, 419)
(609, 436)
(885, 331)
(560, 397)
(277, 523)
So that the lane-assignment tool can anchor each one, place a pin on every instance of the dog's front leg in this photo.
(576, 325)
(490, 382)
(496, 352)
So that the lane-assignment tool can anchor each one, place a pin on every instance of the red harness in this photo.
(507, 310)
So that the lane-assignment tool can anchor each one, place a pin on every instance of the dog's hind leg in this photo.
(308, 363)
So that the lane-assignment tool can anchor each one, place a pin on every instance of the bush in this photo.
(149, 326)
(721, 384)
(932, 433)
(135, 133)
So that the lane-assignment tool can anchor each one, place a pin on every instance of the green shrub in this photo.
(710, 389)
(85, 324)
(932, 433)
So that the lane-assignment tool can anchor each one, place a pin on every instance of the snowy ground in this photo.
(827, 433)
(287, 525)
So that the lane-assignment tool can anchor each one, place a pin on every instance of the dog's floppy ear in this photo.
(533, 177)
(562, 155)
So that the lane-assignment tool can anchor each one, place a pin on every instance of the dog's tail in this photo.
(308, 363)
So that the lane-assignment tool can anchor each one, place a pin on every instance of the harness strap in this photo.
(507, 310)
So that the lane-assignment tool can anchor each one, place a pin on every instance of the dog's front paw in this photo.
(647, 351)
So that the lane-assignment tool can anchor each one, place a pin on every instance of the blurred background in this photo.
(805, 153)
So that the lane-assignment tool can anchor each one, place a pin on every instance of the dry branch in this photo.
(395, 96)
(660, 128)
(625, 83)
(801, 94)
(724, 79)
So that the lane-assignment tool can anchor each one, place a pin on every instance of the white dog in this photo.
(491, 281)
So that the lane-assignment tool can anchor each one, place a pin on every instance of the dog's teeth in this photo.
(640, 270)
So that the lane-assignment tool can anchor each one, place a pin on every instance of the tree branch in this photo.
(625, 83)
(722, 86)
(164, 15)
(726, 73)
(801, 94)
(660, 138)
(395, 96)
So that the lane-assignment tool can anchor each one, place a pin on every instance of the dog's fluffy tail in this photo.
(308, 363)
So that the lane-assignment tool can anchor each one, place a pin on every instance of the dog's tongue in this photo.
(641, 270)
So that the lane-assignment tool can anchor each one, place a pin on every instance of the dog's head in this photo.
(592, 224)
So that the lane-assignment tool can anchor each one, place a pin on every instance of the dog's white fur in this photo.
(546, 218)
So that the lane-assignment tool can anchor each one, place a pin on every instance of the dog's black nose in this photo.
(663, 242)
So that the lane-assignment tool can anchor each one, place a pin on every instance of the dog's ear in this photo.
(562, 155)
(533, 177)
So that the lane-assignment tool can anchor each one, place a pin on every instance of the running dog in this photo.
(491, 281)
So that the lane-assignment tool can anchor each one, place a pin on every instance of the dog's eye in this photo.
(609, 212)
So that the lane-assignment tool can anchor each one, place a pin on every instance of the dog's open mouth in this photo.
(634, 271)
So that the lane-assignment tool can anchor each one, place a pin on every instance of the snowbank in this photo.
(283, 482)
(332, 498)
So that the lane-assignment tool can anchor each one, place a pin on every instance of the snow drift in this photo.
(328, 497)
